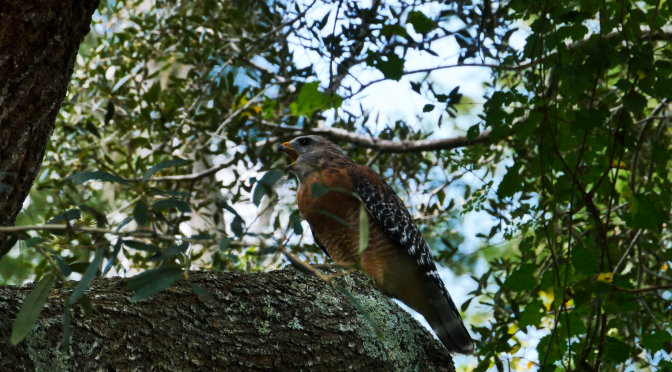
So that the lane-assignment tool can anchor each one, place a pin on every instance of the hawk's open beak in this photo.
(289, 151)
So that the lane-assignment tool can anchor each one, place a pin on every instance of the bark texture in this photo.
(39, 41)
(282, 321)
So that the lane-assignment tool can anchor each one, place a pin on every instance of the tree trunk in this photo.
(282, 320)
(39, 41)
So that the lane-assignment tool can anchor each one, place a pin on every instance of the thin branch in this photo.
(236, 113)
(190, 177)
(640, 290)
(94, 230)
(432, 69)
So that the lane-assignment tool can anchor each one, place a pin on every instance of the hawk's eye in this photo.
(304, 141)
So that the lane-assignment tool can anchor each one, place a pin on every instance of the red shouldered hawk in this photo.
(397, 258)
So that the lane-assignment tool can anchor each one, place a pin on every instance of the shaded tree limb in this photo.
(282, 320)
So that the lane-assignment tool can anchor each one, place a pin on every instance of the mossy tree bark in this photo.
(282, 320)
(39, 41)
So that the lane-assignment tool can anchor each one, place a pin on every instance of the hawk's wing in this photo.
(396, 221)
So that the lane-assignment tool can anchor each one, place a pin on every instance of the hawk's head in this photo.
(310, 153)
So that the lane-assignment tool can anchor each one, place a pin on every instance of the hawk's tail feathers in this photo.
(448, 325)
(454, 335)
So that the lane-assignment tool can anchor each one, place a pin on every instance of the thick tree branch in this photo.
(280, 321)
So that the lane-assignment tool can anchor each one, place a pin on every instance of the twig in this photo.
(190, 177)
(94, 230)
(627, 252)
(641, 290)
(236, 113)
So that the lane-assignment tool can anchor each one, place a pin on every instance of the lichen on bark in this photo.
(281, 320)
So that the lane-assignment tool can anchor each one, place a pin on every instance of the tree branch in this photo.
(147, 234)
(384, 145)
(281, 321)
(189, 177)
(640, 290)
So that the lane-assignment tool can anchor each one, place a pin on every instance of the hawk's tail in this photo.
(447, 323)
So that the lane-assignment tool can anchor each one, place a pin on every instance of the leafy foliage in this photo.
(165, 144)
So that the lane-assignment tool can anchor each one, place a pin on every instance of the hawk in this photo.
(397, 258)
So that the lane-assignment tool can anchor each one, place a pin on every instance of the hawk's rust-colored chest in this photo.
(334, 219)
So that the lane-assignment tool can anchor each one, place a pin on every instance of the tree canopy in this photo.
(162, 157)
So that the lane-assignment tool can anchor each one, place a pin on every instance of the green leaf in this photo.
(141, 213)
(125, 222)
(428, 108)
(9, 244)
(161, 166)
(265, 185)
(655, 340)
(589, 119)
(67, 323)
(80, 178)
(31, 309)
(615, 350)
(72, 214)
(120, 83)
(531, 316)
(88, 275)
(555, 351)
(237, 226)
(85, 303)
(522, 279)
(142, 246)
(511, 183)
(465, 304)
(170, 252)
(583, 261)
(311, 99)
(635, 103)
(224, 243)
(180, 205)
(153, 93)
(65, 269)
(113, 257)
(663, 87)
(154, 281)
(473, 132)
(220, 203)
(200, 291)
(266, 251)
(317, 189)
(33, 242)
(363, 229)
(295, 223)
(646, 211)
(421, 24)
(109, 112)
(92, 128)
(390, 64)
